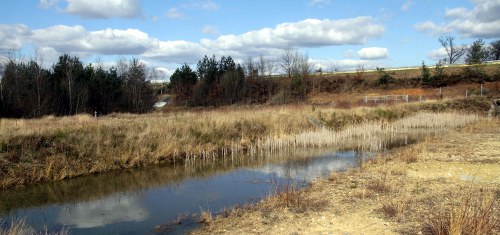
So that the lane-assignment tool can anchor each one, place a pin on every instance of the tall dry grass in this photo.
(368, 135)
(472, 213)
(19, 227)
(54, 148)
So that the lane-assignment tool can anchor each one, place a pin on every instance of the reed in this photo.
(205, 216)
(472, 213)
(19, 226)
(368, 135)
(55, 148)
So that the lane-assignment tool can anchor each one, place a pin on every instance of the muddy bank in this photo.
(444, 184)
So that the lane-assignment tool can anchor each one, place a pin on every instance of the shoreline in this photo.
(421, 189)
(56, 148)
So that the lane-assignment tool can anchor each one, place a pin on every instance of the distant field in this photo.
(415, 71)
(356, 98)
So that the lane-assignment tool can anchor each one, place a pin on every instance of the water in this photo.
(146, 201)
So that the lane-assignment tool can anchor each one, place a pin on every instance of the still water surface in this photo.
(138, 201)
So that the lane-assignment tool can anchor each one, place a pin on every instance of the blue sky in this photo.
(164, 34)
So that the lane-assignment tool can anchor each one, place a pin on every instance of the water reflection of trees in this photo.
(101, 185)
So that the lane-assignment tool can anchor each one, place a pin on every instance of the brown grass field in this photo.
(55, 148)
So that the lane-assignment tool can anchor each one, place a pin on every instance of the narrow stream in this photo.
(146, 201)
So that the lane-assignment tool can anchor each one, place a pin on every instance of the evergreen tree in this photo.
(476, 53)
(182, 82)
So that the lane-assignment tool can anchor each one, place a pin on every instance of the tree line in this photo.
(28, 90)
(476, 53)
(222, 81)
(69, 87)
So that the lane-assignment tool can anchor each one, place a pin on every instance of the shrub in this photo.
(384, 77)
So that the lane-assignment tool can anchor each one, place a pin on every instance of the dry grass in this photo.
(55, 148)
(368, 136)
(287, 195)
(205, 216)
(378, 186)
(355, 99)
(395, 209)
(471, 213)
(425, 188)
(19, 227)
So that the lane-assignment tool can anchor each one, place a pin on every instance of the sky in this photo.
(164, 34)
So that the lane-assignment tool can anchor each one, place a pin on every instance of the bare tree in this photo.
(304, 65)
(153, 74)
(251, 68)
(121, 66)
(360, 72)
(98, 61)
(270, 66)
(293, 62)
(288, 60)
(453, 52)
(2, 69)
(333, 68)
(39, 58)
(262, 66)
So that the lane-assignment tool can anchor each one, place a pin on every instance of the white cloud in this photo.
(431, 28)
(103, 212)
(328, 65)
(102, 9)
(456, 12)
(319, 2)
(373, 53)
(426, 26)
(405, 40)
(12, 36)
(406, 6)
(174, 13)
(210, 30)
(204, 5)
(305, 33)
(437, 54)
(48, 56)
(270, 41)
(46, 4)
(176, 51)
(481, 21)
(78, 41)
(71, 39)
(349, 54)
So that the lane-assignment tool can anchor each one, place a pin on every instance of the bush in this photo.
(384, 77)
(476, 74)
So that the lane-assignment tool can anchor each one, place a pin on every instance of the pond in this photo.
(146, 201)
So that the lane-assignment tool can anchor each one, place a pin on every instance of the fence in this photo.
(385, 98)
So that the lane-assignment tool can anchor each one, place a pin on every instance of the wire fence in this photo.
(386, 98)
